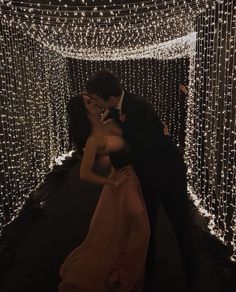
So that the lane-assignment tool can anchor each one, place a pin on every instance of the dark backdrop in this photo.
(156, 80)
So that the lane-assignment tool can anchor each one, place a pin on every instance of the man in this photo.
(157, 162)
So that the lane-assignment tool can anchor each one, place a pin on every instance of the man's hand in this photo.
(183, 88)
(166, 130)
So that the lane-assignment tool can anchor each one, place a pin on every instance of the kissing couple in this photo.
(147, 169)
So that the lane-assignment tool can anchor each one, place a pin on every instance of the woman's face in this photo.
(92, 108)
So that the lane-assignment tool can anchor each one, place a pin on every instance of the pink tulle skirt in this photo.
(112, 256)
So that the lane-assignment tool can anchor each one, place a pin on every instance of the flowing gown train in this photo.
(112, 256)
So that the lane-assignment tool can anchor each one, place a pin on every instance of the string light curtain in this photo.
(211, 125)
(123, 30)
(33, 83)
(156, 80)
(104, 29)
(33, 125)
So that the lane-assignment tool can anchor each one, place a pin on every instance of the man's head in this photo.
(105, 88)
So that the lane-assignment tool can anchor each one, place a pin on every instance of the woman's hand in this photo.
(115, 183)
(125, 173)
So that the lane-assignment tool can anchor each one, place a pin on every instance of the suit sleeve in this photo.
(146, 127)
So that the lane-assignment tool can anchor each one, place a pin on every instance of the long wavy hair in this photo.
(79, 125)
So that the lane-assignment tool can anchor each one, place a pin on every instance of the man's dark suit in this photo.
(162, 173)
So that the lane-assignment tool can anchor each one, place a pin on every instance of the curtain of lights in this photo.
(33, 126)
(211, 124)
(156, 80)
(146, 43)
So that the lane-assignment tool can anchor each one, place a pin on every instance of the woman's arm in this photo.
(86, 173)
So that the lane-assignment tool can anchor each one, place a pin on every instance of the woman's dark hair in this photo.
(105, 84)
(79, 124)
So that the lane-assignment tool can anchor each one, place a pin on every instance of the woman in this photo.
(112, 256)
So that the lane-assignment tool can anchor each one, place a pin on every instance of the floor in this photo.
(34, 247)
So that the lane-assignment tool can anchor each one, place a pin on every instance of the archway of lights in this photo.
(37, 41)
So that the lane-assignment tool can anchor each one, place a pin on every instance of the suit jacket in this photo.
(154, 155)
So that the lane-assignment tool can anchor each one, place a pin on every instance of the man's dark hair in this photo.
(105, 84)
(79, 124)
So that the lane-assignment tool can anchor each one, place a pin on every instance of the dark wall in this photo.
(156, 80)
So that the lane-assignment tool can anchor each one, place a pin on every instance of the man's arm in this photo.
(146, 125)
